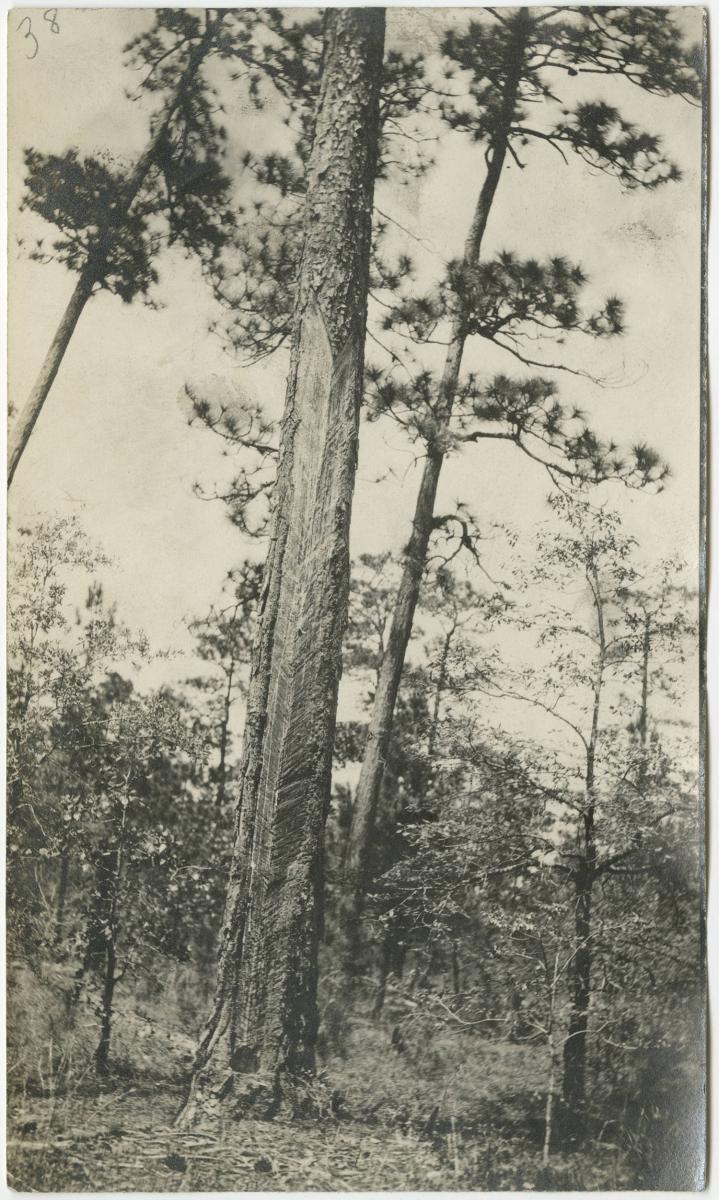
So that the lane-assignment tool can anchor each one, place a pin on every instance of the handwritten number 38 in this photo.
(50, 17)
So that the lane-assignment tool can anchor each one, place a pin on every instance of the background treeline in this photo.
(490, 932)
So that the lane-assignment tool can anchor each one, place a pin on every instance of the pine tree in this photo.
(263, 1027)
(109, 235)
(511, 57)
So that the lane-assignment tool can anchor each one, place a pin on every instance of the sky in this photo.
(112, 444)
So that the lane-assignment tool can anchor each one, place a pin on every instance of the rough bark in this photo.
(261, 1034)
(96, 265)
(415, 555)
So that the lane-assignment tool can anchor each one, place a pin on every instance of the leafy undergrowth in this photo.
(426, 1072)
(478, 1102)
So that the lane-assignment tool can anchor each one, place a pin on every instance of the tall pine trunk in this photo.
(415, 555)
(96, 265)
(262, 1031)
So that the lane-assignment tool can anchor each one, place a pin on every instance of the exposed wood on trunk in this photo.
(263, 1027)
(415, 555)
(96, 265)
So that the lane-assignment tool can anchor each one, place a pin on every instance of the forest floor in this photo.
(126, 1142)
(436, 1110)
(118, 1137)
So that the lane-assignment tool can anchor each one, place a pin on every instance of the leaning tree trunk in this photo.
(26, 419)
(261, 1034)
(415, 556)
(95, 267)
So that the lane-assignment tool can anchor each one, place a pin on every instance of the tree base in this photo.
(571, 1126)
(260, 1096)
(236, 1096)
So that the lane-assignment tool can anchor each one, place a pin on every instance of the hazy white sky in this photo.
(112, 444)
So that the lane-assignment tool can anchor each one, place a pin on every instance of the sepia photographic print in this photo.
(355, 785)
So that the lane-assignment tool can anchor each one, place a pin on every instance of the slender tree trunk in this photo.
(644, 711)
(381, 986)
(552, 1077)
(93, 271)
(100, 918)
(61, 897)
(224, 738)
(575, 1046)
(549, 1106)
(456, 973)
(25, 421)
(109, 868)
(439, 689)
(262, 1031)
(102, 1053)
(549, 1110)
(415, 556)
(393, 956)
